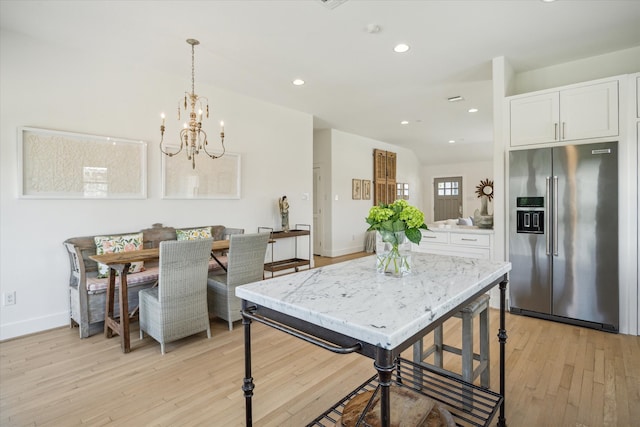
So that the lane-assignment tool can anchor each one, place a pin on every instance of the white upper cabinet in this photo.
(589, 111)
(534, 119)
(583, 112)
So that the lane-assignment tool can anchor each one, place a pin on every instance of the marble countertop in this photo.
(351, 298)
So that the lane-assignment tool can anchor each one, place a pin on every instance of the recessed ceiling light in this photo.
(401, 48)
(452, 141)
(298, 82)
(455, 98)
(404, 122)
(473, 110)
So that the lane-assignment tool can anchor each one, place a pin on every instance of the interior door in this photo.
(447, 198)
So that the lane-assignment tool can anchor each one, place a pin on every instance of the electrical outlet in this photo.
(9, 298)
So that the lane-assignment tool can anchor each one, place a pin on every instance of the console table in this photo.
(294, 262)
(349, 307)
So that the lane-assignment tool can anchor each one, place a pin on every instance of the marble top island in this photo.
(352, 299)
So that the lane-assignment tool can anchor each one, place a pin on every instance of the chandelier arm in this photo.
(214, 156)
(168, 153)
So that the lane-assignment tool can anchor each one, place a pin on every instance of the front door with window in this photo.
(447, 198)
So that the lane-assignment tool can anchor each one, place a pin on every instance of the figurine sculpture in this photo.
(284, 212)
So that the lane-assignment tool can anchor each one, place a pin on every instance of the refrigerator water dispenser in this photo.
(530, 220)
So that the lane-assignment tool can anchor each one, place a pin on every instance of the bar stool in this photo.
(479, 306)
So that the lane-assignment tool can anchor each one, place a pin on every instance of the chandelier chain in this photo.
(193, 69)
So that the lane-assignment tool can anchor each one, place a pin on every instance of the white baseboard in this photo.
(31, 326)
(346, 251)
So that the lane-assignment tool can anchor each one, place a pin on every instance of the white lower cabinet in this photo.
(471, 243)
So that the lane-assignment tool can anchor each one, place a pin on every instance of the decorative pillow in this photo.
(194, 233)
(111, 244)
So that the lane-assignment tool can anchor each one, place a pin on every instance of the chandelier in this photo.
(192, 137)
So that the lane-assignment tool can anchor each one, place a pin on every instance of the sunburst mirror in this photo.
(485, 188)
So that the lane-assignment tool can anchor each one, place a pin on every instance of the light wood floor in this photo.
(557, 375)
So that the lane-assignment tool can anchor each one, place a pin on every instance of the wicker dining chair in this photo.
(226, 234)
(245, 264)
(177, 307)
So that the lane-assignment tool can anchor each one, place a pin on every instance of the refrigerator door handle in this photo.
(555, 216)
(547, 232)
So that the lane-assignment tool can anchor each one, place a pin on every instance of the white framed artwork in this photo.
(66, 165)
(211, 179)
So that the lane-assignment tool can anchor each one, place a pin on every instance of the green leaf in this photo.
(386, 225)
(414, 235)
(398, 226)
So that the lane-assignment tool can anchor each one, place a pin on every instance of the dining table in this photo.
(349, 307)
(119, 263)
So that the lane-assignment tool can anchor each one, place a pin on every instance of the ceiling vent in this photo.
(332, 4)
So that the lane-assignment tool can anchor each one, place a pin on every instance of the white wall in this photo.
(49, 87)
(471, 174)
(596, 67)
(352, 158)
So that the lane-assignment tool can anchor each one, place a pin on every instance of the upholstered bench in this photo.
(87, 291)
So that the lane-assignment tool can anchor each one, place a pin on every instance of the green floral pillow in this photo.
(111, 244)
(194, 233)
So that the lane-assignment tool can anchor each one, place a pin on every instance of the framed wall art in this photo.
(356, 189)
(65, 165)
(211, 178)
(366, 189)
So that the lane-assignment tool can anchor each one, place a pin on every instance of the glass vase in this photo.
(393, 254)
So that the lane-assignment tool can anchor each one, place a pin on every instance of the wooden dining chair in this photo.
(177, 307)
(245, 264)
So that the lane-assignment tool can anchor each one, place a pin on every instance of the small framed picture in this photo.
(366, 189)
(356, 189)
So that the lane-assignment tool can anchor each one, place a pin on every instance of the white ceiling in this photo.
(355, 82)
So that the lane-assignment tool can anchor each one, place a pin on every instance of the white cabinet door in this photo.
(534, 119)
(589, 111)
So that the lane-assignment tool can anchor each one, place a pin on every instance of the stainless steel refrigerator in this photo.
(563, 234)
